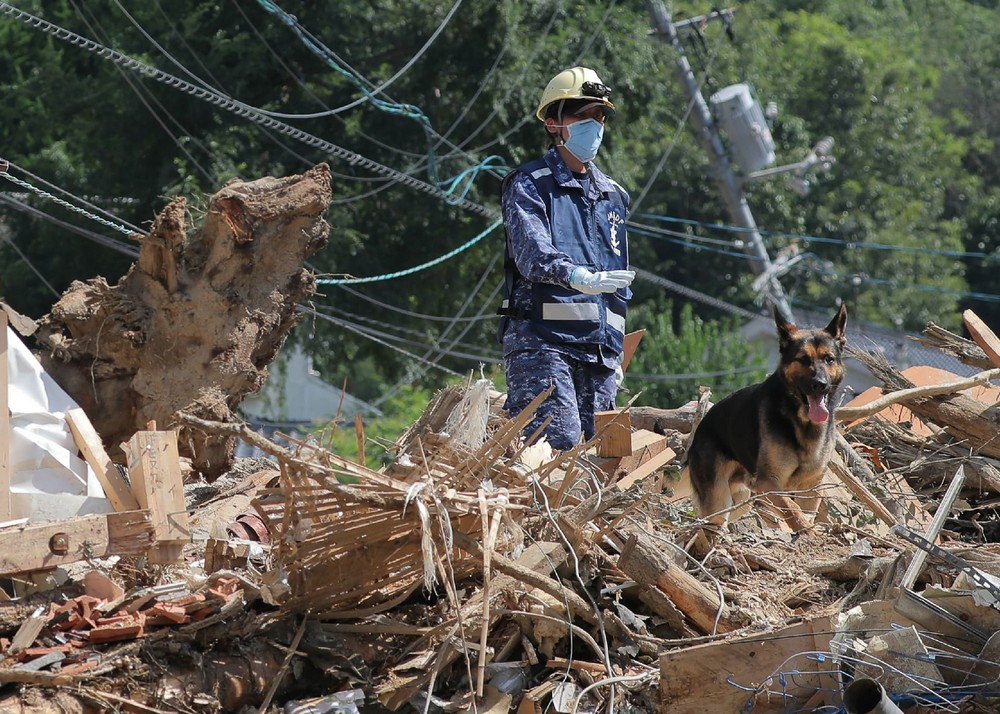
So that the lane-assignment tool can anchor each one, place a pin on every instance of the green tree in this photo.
(681, 352)
(907, 90)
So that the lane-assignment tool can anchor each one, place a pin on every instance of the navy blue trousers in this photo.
(582, 388)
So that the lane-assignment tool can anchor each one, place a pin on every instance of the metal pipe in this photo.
(866, 696)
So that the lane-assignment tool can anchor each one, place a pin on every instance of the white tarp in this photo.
(48, 480)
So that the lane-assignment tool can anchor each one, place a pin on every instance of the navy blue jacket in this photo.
(553, 226)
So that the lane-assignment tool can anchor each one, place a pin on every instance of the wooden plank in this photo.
(615, 430)
(645, 445)
(646, 468)
(629, 345)
(5, 508)
(48, 545)
(90, 445)
(27, 633)
(983, 335)
(154, 467)
(697, 679)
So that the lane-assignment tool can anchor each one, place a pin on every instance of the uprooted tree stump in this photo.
(197, 319)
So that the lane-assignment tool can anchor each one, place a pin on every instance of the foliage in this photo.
(908, 90)
(380, 433)
(680, 352)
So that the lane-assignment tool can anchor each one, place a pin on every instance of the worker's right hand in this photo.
(606, 281)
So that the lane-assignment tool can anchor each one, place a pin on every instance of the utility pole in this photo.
(707, 133)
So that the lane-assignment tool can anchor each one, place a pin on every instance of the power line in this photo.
(693, 294)
(31, 266)
(4, 171)
(90, 235)
(415, 373)
(238, 108)
(410, 313)
(389, 337)
(856, 279)
(78, 199)
(305, 87)
(205, 84)
(821, 239)
(415, 269)
(326, 54)
(157, 116)
(353, 328)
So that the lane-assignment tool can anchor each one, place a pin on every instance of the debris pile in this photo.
(481, 572)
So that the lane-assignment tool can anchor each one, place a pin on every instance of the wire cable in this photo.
(316, 46)
(415, 269)
(821, 239)
(355, 318)
(416, 373)
(90, 235)
(410, 313)
(348, 326)
(78, 199)
(65, 204)
(31, 266)
(305, 88)
(238, 108)
(693, 294)
(396, 339)
(158, 116)
(217, 84)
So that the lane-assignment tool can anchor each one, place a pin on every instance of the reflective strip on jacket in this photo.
(551, 228)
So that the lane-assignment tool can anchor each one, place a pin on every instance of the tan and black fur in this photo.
(768, 437)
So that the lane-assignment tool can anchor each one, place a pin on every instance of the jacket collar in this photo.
(560, 171)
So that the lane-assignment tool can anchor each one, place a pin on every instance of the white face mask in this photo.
(585, 138)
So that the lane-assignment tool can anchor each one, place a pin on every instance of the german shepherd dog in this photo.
(777, 435)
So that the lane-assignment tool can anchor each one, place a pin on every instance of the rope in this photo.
(417, 268)
(61, 202)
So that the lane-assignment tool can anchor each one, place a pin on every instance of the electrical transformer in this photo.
(739, 114)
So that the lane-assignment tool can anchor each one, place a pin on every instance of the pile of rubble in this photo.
(480, 573)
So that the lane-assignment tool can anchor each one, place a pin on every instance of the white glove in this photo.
(606, 281)
(619, 376)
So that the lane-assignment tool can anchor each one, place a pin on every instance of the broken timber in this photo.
(715, 677)
(115, 487)
(154, 466)
(647, 564)
(159, 529)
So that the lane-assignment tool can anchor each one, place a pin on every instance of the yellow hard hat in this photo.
(575, 83)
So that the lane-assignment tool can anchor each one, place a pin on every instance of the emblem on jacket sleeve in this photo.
(615, 220)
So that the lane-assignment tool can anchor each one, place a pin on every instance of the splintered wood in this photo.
(358, 542)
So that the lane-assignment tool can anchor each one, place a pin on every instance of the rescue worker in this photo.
(566, 270)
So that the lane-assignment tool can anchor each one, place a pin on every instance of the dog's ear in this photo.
(838, 325)
(785, 328)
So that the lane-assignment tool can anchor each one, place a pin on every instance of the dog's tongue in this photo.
(818, 412)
